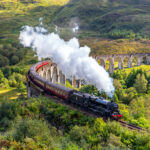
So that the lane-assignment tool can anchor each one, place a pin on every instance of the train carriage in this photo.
(58, 90)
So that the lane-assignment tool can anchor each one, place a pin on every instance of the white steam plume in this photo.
(75, 28)
(40, 20)
(72, 59)
(56, 29)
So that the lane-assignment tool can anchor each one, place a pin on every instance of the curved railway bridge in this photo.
(52, 73)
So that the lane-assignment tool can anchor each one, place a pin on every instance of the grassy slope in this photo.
(144, 67)
(105, 46)
(9, 94)
(104, 16)
(15, 14)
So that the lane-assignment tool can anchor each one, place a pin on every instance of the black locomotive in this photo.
(97, 105)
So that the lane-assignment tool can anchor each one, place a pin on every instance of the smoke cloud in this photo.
(75, 28)
(72, 59)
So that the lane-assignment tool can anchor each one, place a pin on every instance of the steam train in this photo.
(97, 105)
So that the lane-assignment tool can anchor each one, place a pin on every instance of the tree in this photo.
(1, 75)
(8, 112)
(132, 76)
(4, 83)
(141, 83)
(3, 61)
(14, 60)
(21, 87)
(117, 84)
(7, 71)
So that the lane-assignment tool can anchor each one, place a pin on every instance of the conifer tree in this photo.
(141, 83)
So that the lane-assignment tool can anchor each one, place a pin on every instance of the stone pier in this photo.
(102, 59)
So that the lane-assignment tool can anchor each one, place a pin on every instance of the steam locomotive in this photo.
(97, 105)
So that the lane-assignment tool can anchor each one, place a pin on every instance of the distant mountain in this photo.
(108, 18)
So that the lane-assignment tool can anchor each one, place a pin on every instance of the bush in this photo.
(1, 75)
(8, 112)
(80, 133)
(3, 61)
(14, 60)
(21, 87)
(4, 83)
(141, 83)
(35, 129)
(17, 80)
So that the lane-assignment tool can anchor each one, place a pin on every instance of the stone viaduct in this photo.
(52, 73)
(140, 57)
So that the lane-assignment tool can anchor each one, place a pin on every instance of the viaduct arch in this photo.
(52, 73)
(102, 59)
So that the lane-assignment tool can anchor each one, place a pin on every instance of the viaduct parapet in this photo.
(52, 73)
(140, 57)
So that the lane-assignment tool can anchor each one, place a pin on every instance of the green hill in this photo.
(109, 18)
(16, 13)
(101, 19)
(13, 15)
(21, 6)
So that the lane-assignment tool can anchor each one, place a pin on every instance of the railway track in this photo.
(59, 100)
(87, 113)
(131, 126)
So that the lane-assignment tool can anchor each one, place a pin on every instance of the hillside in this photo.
(16, 13)
(108, 18)
(99, 22)
(40, 123)
(100, 46)
(21, 6)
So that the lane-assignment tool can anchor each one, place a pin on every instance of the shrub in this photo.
(4, 83)
(14, 60)
(141, 83)
(8, 112)
(35, 129)
(3, 61)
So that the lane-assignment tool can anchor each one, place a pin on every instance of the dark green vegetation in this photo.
(11, 54)
(103, 20)
(40, 123)
(109, 18)
(12, 79)
(16, 13)
(132, 94)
